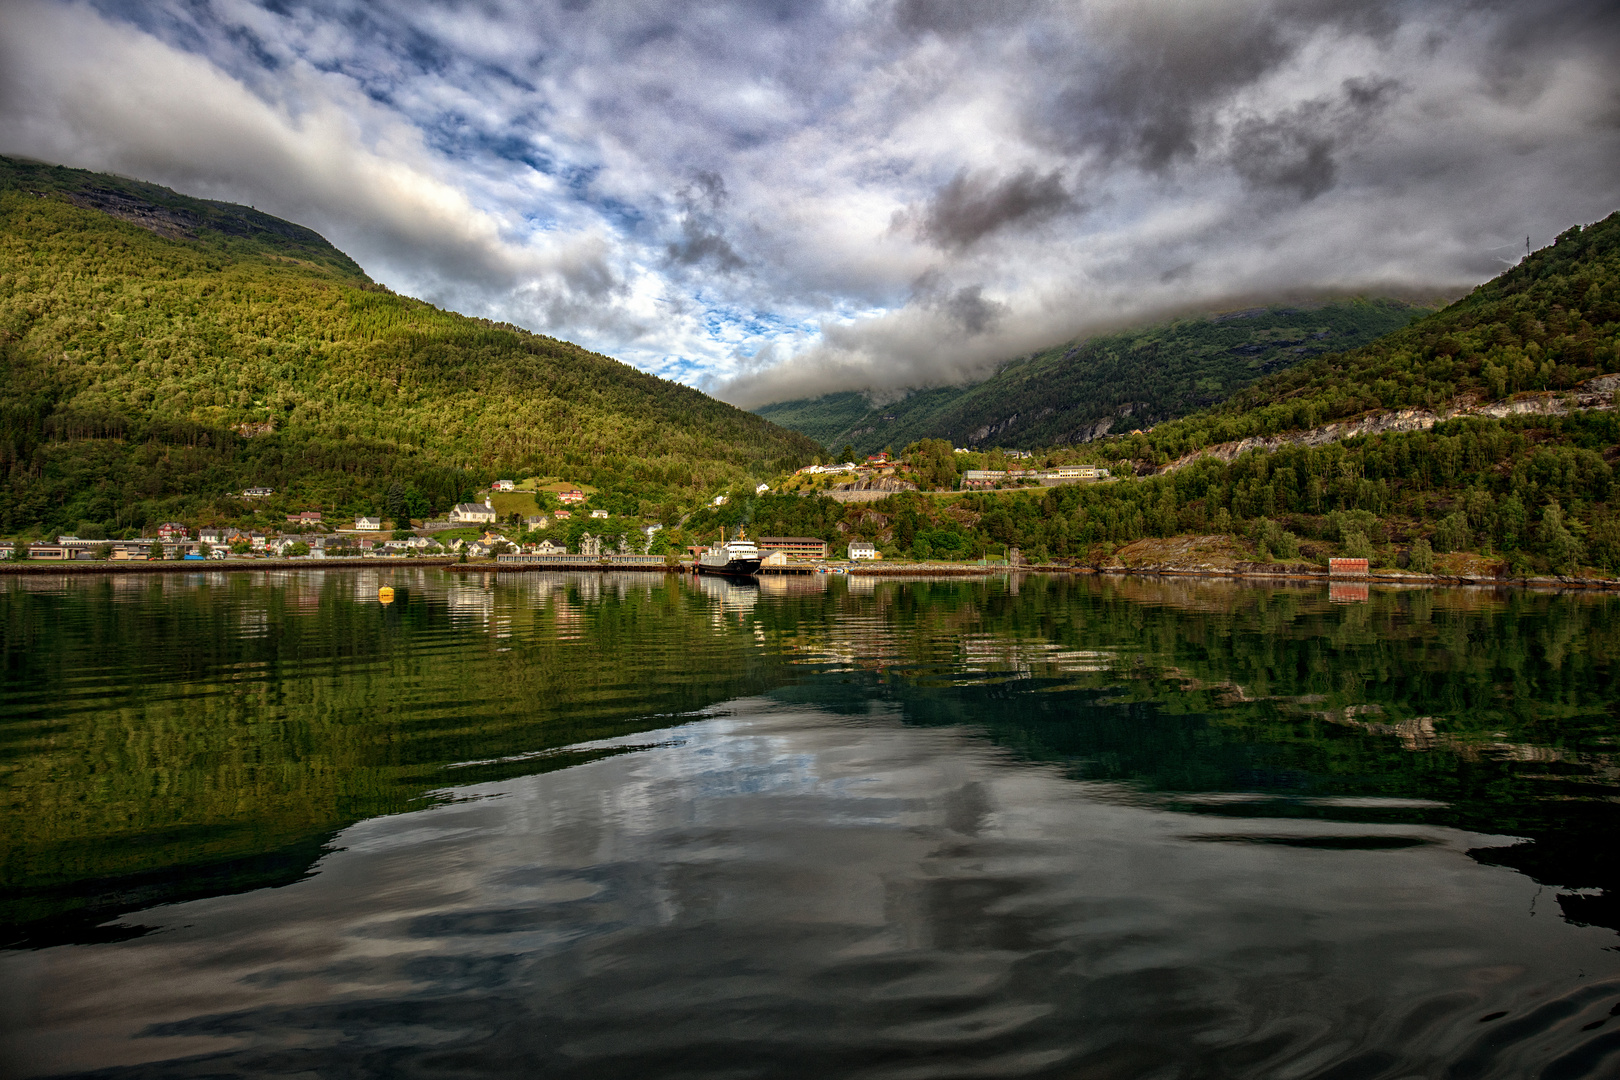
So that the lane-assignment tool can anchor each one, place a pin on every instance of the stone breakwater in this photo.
(1598, 393)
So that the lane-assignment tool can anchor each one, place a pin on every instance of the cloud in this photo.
(970, 207)
(780, 199)
(702, 239)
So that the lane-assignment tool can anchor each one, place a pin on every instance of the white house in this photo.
(546, 547)
(762, 489)
(536, 521)
(599, 513)
(368, 524)
(720, 500)
(505, 485)
(472, 513)
(862, 549)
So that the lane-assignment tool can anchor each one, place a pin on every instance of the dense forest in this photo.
(162, 352)
(1080, 390)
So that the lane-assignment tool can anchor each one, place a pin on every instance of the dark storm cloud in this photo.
(971, 207)
(914, 190)
(1149, 87)
(702, 240)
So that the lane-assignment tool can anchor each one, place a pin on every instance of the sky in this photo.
(772, 200)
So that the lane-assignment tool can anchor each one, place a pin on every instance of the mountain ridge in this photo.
(1081, 390)
(155, 366)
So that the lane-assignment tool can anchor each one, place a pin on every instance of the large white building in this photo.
(862, 549)
(472, 514)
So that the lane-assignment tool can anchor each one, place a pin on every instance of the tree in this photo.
(298, 548)
(847, 453)
(241, 547)
(155, 552)
(1357, 546)
(1421, 556)
(933, 464)
(19, 550)
(1452, 533)
(1561, 548)
(204, 550)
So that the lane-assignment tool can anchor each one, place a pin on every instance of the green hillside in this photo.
(1120, 382)
(161, 352)
(1547, 324)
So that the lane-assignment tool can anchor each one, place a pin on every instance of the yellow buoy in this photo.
(385, 595)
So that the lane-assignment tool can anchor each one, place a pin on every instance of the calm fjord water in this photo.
(556, 825)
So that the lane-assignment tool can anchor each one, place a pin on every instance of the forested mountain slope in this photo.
(1119, 382)
(161, 352)
(1548, 324)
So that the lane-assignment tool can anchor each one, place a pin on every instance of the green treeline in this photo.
(149, 374)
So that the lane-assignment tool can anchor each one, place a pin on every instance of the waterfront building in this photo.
(795, 547)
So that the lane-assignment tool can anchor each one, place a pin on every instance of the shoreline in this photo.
(1293, 574)
(207, 566)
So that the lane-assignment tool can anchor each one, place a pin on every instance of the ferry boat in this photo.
(732, 558)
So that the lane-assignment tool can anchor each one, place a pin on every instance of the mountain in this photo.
(1081, 390)
(1482, 441)
(161, 352)
(1545, 326)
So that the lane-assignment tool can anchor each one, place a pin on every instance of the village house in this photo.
(564, 515)
(570, 497)
(599, 513)
(546, 547)
(504, 485)
(762, 489)
(536, 521)
(862, 549)
(258, 493)
(172, 530)
(472, 513)
(590, 545)
(211, 535)
(772, 558)
(306, 517)
(368, 524)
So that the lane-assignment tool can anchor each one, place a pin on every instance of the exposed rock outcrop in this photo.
(1598, 393)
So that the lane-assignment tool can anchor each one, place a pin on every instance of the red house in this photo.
(1347, 567)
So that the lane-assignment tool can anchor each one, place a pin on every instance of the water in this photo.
(554, 825)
